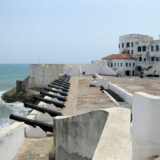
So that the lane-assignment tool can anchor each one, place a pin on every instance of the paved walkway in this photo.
(81, 99)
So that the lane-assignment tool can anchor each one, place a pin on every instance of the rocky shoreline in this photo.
(28, 96)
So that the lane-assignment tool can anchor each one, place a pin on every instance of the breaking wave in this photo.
(7, 108)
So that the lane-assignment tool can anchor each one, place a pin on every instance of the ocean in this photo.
(9, 73)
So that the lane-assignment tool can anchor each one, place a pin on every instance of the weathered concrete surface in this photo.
(83, 98)
(43, 74)
(145, 131)
(153, 158)
(115, 141)
(11, 138)
(35, 149)
(76, 137)
(148, 85)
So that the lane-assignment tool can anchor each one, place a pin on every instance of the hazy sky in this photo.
(71, 31)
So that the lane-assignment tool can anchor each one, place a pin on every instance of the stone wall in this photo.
(97, 135)
(11, 139)
(77, 137)
(145, 126)
(43, 74)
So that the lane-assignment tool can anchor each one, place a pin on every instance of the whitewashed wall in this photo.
(11, 139)
(42, 74)
(78, 69)
(145, 126)
(121, 69)
(76, 137)
(121, 92)
(97, 135)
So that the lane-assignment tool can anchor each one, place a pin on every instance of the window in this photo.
(127, 44)
(139, 48)
(108, 64)
(152, 48)
(126, 64)
(144, 48)
(128, 51)
(132, 44)
(118, 64)
(119, 45)
(133, 64)
(122, 45)
(144, 59)
(132, 51)
(157, 59)
(130, 64)
(157, 47)
(140, 58)
(114, 64)
(121, 64)
(152, 58)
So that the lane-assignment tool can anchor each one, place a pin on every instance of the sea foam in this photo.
(7, 108)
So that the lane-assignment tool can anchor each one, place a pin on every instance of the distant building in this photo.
(143, 48)
(123, 64)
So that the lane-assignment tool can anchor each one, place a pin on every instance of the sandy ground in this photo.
(81, 99)
(149, 85)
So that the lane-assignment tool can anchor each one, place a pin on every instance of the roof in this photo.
(118, 56)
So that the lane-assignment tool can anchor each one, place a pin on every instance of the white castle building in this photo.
(142, 50)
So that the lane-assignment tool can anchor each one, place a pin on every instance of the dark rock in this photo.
(11, 96)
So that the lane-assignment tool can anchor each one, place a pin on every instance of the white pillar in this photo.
(145, 130)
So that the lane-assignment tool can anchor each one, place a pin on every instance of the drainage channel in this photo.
(119, 101)
(114, 95)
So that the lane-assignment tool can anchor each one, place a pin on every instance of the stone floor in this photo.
(35, 148)
(149, 85)
(81, 98)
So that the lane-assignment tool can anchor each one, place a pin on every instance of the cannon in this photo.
(65, 79)
(56, 91)
(57, 104)
(59, 81)
(57, 87)
(44, 126)
(52, 113)
(53, 96)
(60, 85)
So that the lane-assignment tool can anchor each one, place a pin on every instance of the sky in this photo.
(71, 31)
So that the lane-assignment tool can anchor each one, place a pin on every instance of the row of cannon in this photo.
(59, 89)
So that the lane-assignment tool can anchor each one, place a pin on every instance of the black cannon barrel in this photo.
(60, 85)
(53, 96)
(57, 87)
(52, 113)
(66, 84)
(44, 126)
(57, 81)
(57, 104)
(56, 91)
(65, 79)
(102, 88)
